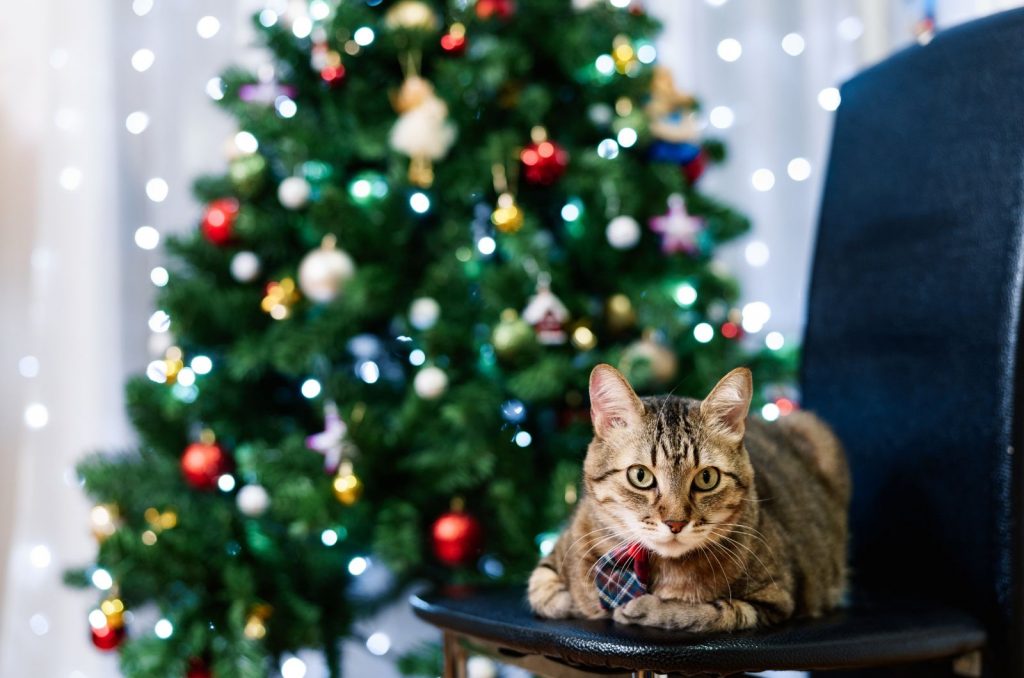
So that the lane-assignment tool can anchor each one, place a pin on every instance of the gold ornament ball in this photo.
(411, 15)
(619, 313)
(325, 271)
(649, 364)
(507, 216)
(347, 488)
(511, 335)
(583, 338)
(113, 610)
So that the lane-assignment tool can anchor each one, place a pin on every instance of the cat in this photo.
(727, 522)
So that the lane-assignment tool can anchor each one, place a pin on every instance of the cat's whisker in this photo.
(751, 551)
(593, 568)
(584, 536)
(728, 585)
(752, 532)
(735, 558)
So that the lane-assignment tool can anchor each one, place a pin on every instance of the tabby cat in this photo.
(696, 517)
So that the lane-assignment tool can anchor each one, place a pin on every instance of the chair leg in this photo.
(454, 656)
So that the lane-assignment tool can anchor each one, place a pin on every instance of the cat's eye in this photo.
(707, 479)
(640, 476)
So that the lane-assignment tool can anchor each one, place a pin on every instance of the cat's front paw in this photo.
(548, 594)
(640, 610)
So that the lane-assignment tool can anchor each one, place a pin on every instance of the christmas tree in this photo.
(436, 218)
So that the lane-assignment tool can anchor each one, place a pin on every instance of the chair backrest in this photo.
(912, 348)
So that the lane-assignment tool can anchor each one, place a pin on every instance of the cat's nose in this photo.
(676, 525)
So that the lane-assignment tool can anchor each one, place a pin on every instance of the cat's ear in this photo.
(613, 403)
(725, 408)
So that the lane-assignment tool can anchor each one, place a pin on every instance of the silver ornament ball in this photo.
(324, 272)
(245, 266)
(253, 500)
(430, 383)
(623, 232)
(293, 193)
(424, 312)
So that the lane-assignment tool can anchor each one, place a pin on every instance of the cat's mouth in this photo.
(676, 545)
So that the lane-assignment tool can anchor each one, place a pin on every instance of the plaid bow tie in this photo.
(622, 575)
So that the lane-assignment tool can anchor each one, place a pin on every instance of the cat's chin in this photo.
(673, 548)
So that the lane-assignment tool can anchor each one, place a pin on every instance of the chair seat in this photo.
(872, 631)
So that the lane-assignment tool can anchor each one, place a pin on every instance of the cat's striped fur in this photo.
(766, 543)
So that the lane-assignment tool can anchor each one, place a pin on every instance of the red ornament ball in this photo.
(454, 41)
(219, 220)
(544, 163)
(197, 668)
(333, 75)
(694, 169)
(107, 638)
(457, 538)
(203, 463)
(501, 9)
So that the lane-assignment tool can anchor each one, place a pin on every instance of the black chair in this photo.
(912, 353)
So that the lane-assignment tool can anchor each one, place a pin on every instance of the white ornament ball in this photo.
(623, 232)
(324, 272)
(293, 193)
(430, 383)
(481, 667)
(424, 312)
(253, 500)
(245, 266)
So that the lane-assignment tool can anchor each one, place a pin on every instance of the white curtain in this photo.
(73, 192)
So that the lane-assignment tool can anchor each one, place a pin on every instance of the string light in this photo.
(136, 122)
(357, 566)
(364, 36)
(293, 667)
(201, 364)
(215, 89)
(417, 357)
(70, 178)
(302, 27)
(147, 237)
(756, 253)
(608, 149)
(646, 54)
(378, 644)
(28, 367)
(369, 372)
(755, 315)
(486, 245)
(207, 27)
(329, 537)
(770, 412)
(143, 59)
(774, 341)
(319, 10)
(419, 202)
(159, 321)
(39, 624)
(523, 439)
(268, 18)
(685, 295)
(159, 276)
(762, 179)
(799, 169)
(793, 44)
(163, 629)
(311, 388)
(36, 416)
(142, 7)
(246, 142)
(226, 482)
(285, 107)
(40, 556)
(157, 189)
(186, 377)
(570, 212)
(605, 64)
(721, 117)
(730, 50)
(101, 579)
(829, 98)
(850, 28)
(626, 137)
(703, 333)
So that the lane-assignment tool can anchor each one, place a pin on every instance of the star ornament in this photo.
(678, 228)
(332, 442)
